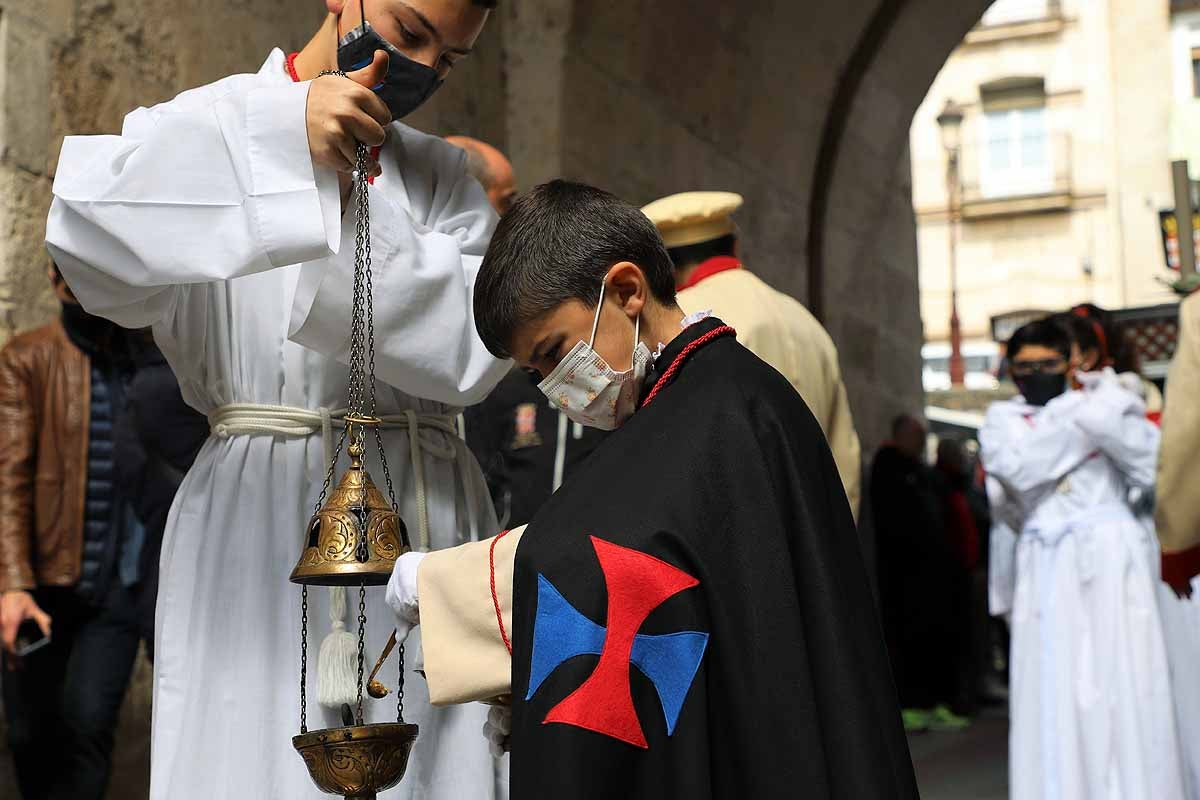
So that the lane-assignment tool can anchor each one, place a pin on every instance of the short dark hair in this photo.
(902, 421)
(1046, 332)
(691, 254)
(1095, 328)
(556, 244)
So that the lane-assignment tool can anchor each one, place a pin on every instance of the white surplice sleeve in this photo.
(425, 258)
(1114, 419)
(1024, 456)
(1007, 519)
(212, 185)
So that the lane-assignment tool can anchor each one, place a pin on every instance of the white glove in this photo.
(1093, 380)
(402, 594)
(1133, 383)
(497, 729)
(1118, 393)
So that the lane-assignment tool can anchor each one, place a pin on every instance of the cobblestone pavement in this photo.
(969, 765)
(131, 759)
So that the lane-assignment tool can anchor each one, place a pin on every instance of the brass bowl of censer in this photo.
(357, 761)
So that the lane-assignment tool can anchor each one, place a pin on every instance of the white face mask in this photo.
(585, 388)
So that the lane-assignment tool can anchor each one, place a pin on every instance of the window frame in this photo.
(1021, 175)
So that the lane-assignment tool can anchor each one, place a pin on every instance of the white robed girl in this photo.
(1091, 700)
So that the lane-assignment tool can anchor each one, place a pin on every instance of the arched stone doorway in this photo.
(804, 108)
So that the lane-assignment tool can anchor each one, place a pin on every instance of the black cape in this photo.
(763, 673)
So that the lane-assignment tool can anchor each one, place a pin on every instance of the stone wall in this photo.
(77, 66)
(869, 255)
(803, 108)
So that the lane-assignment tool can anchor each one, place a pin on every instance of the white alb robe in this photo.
(1091, 701)
(206, 219)
(1181, 627)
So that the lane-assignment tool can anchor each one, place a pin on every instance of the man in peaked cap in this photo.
(702, 239)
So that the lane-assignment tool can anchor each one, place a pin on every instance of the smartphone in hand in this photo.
(30, 638)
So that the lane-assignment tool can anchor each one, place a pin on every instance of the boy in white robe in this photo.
(217, 218)
(1091, 701)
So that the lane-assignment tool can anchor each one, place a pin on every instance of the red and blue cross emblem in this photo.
(637, 584)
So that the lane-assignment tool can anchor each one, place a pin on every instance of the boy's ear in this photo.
(628, 283)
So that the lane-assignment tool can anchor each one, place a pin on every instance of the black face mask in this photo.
(1042, 387)
(91, 334)
(407, 84)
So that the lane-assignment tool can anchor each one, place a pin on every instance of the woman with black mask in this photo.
(1102, 343)
(1091, 703)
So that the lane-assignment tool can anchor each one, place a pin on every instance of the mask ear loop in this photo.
(596, 321)
(362, 11)
(637, 327)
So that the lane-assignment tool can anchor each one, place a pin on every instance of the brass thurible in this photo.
(353, 540)
(356, 536)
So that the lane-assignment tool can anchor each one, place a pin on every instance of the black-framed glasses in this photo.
(1040, 367)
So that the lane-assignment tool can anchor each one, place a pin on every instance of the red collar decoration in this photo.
(707, 269)
(669, 376)
(291, 67)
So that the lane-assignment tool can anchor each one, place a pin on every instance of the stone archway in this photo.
(804, 108)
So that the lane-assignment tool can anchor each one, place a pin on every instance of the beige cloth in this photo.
(465, 657)
(1153, 397)
(782, 332)
(1178, 510)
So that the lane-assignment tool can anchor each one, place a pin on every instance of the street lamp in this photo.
(950, 121)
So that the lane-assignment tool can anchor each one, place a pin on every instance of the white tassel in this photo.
(337, 666)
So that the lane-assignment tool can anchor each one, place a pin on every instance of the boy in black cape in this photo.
(689, 616)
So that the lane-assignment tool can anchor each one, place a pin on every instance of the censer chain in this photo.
(400, 688)
(304, 659)
(329, 470)
(362, 403)
(362, 635)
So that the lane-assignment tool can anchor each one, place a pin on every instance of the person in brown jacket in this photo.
(70, 551)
